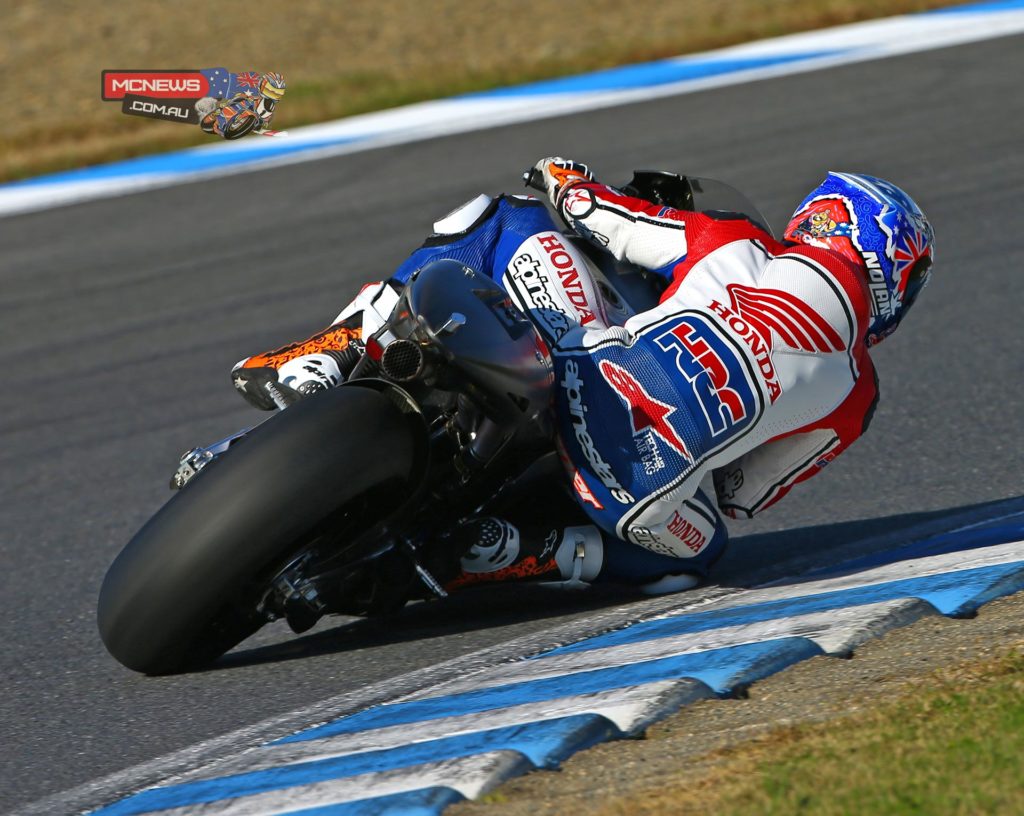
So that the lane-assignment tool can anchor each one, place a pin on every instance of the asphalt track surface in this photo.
(120, 319)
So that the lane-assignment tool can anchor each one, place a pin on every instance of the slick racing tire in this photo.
(170, 601)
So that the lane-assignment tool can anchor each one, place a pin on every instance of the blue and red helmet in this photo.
(878, 226)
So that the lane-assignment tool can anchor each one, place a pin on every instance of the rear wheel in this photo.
(175, 596)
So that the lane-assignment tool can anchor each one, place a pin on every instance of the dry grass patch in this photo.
(341, 58)
(953, 744)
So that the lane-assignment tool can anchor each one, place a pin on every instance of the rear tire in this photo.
(166, 602)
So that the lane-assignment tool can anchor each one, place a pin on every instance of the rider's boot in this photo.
(326, 359)
(299, 369)
(496, 551)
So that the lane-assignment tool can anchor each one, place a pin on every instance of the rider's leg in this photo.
(671, 553)
(541, 533)
(302, 368)
(323, 361)
(678, 552)
(499, 552)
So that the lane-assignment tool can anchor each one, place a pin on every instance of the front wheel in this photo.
(170, 600)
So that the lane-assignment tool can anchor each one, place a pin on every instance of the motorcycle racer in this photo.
(243, 113)
(753, 370)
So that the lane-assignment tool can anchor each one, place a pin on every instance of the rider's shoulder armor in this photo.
(473, 233)
(464, 216)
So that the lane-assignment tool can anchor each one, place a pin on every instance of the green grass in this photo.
(953, 746)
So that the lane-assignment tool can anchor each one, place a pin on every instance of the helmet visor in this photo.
(917, 279)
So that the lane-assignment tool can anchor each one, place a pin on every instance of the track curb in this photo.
(423, 751)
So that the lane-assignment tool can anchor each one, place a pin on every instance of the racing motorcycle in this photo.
(344, 503)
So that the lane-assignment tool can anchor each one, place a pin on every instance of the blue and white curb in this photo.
(420, 753)
(763, 59)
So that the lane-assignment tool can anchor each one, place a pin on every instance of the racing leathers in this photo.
(753, 368)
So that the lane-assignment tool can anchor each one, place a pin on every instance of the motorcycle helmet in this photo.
(878, 226)
(272, 86)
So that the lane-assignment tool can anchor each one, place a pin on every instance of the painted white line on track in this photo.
(950, 562)
(831, 629)
(362, 760)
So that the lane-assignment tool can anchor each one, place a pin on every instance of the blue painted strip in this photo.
(953, 593)
(199, 159)
(1001, 532)
(426, 802)
(720, 669)
(647, 75)
(975, 8)
(182, 161)
(543, 743)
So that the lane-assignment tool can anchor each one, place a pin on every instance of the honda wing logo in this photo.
(797, 324)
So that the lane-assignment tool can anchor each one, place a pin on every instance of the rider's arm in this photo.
(764, 475)
(650, 235)
(760, 478)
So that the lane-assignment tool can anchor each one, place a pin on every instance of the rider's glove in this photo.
(560, 174)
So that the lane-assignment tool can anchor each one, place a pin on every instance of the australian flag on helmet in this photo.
(876, 225)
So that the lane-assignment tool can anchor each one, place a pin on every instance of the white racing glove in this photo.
(557, 175)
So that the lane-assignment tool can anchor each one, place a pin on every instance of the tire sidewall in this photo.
(245, 511)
